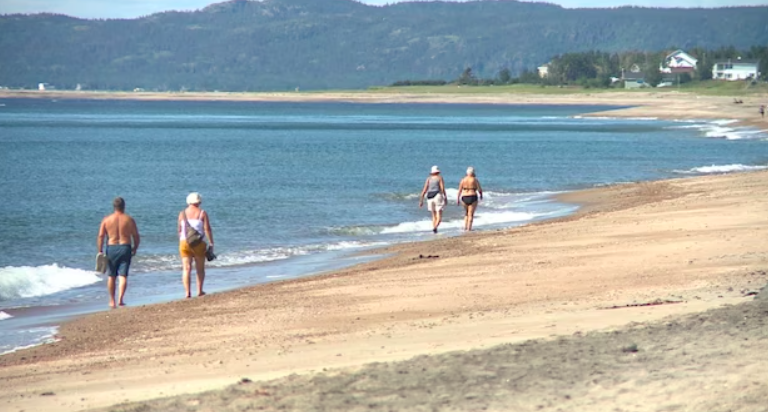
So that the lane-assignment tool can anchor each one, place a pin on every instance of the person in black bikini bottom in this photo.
(469, 193)
(469, 200)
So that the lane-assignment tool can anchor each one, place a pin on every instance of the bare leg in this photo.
(466, 216)
(111, 290)
(121, 290)
(470, 215)
(186, 268)
(434, 221)
(200, 270)
(439, 219)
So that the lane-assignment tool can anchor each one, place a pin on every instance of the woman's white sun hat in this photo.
(435, 170)
(194, 198)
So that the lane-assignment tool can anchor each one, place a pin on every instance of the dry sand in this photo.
(574, 284)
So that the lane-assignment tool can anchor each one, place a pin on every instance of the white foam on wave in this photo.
(616, 118)
(714, 169)
(354, 245)
(733, 134)
(493, 218)
(719, 129)
(246, 257)
(451, 193)
(481, 219)
(32, 281)
(4, 316)
(153, 263)
(723, 122)
(39, 336)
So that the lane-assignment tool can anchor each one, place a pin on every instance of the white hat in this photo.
(435, 170)
(194, 198)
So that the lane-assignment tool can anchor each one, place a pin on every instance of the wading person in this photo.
(122, 242)
(469, 193)
(192, 242)
(434, 190)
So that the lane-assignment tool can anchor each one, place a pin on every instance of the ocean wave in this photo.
(400, 196)
(719, 129)
(255, 256)
(356, 230)
(481, 219)
(29, 281)
(715, 169)
(280, 253)
(4, 316)
(723, 122)
(451, 193)
(615, 118)
(20, 339)
(734, 134)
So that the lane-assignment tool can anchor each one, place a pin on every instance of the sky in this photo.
(137, 8)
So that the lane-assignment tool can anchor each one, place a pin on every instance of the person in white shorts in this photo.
(434, 190)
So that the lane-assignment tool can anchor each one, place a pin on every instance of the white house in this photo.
(544, 71)
(735, 69)
(678, 62)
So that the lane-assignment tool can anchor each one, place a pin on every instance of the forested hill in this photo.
(282, 44)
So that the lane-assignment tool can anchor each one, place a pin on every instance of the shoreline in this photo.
(542, 280)
(668, 105)
(134, 340)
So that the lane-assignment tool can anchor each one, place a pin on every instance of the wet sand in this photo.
(580, 286)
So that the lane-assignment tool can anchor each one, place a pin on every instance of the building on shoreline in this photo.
(736, 69)
(543, 71)
(678, 62)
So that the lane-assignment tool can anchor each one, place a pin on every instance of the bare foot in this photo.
(201, 294)
(121, 304)
(188, 296)
(112, 305)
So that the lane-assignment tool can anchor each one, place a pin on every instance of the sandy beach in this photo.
(642, 301)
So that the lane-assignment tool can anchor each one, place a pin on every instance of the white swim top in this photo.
(195, 223)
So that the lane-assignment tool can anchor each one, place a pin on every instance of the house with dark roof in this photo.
(736, 69)
(634, 78)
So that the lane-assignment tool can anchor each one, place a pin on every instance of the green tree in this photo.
(703, 65)
(467, 77)
(505, 76)
(651, 69)
(529, 77)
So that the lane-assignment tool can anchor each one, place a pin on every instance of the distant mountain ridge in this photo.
(243, 45)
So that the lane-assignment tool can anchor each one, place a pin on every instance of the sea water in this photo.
(293, 189)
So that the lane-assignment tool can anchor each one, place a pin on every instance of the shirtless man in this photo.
(120, 230)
